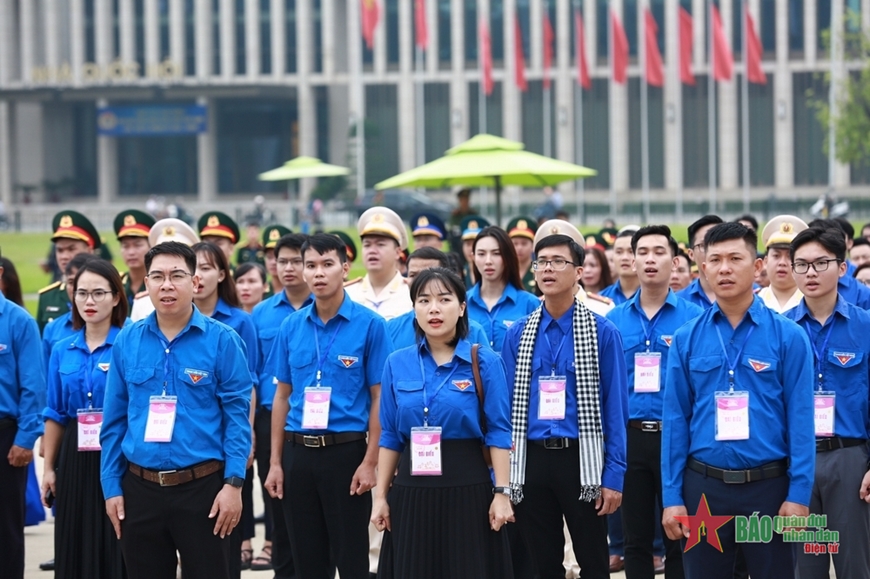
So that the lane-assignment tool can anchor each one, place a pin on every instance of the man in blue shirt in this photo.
(838, 336)
(328, 358)
(626, 284)
(699, 291)
(737, 401)
(647, 323)
(22, 398)
(175, 434)
(849, 288)
(268, 317)
(558, 383)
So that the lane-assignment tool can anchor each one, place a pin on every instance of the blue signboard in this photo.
(151, 120)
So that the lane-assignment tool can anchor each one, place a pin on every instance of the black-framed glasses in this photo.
(558, 264)
(176, 276)
(801, 267)
(98, 295)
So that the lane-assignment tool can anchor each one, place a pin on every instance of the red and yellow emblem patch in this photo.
(462, 384)
(758, 366)
(348, 361)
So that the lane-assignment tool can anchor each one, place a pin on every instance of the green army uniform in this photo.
(132, 223)
(271, 235)
(53, 299)
(525, 227)
(350, 246)
(248, 254)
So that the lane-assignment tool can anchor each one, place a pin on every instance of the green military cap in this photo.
(272, 234)
(522, 226)
(348, 243)
(472, 225)
(74, 225)
(607, 236)
(217, 224)
(133, 223)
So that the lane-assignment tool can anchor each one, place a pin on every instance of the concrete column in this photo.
(252, 38)
(6, 43)
(77, 35)
(590, 9)
(27, 40)
(618, 122)
(865, 16)
(152, 33)
(279, 54)
(304, 92)
(700, 18)
(407, 88)
(6, 164)
(103, 44)
(203, 42)
(512, 112)
(228, 38)
(783, 124)
(535, 62)
(107, 165)
(381, 39)
(51, 14)
(728, 124)
(673, 98)
(810, 37)
(842, 171)
(327, 15)
(206, 154)
(176, 35)
(563, 112)
(433, 25)
(459, 106)
(127, 22)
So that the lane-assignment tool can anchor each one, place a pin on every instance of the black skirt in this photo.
(85, 545)
(440, 524)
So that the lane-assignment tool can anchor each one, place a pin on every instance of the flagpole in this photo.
(421, 103)
(579, 189)
(481, 97)
(644, 116)
(745, 123)
(833, 53)
(711, 112)
(546, 95)
(356, 72)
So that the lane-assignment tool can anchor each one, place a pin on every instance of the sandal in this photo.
(263, 561)
(247, 557)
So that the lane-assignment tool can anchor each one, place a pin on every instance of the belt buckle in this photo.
(554, 444)
(734, 477)
(160, 476)
(314, 441)
(649, 425)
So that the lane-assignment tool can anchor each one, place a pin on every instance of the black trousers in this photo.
(642, 493)
(13, 483)
(282, 557)
(327, 524)
(551, 491)
(162, 520)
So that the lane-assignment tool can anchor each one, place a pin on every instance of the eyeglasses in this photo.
(802, 267)
(98, 295)
(558, 264)
(698, 247)
(175, 277)
(295, 262)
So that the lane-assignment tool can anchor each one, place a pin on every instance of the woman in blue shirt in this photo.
(84, 540)
(498, 299)
(441, 512)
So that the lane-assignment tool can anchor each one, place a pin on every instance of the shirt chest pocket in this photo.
(347, 369)
(845, 367)
(7, 360)
(196, 387)
(142, 383)
(409, 393)
(267, 338)
(703, 371)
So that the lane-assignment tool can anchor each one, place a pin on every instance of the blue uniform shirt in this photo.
(268, 316)
(845, 363)
(402, 332)
(452, 398)
(73, 372)
(557, 337)
(512, 305)
(353, 347)
(212, 412)
(636, 329)
(775, 366)
(56, 330)
(694, 293)
(241, 321)
(854, 292)
(614, 292)
(22, 373)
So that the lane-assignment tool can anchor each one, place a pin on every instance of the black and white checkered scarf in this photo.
(591, 439)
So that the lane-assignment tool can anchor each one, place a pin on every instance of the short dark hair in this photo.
(684, 255)
(509, 257)
(324, 243)
(11, 282)
(750, 218)
(702, 222)
(861, 267)
(291, 240)
(830, 239)
(662, 230)
(431, 253)
(847, 227)
(77, 262)
(577, 253)
(826, 224)
(454, 285)
(227, 287)
(248, 266)
(860, 241)
(172, 248)
(107, 271)
(729, 231)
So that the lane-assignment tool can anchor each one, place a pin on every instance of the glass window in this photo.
(90, 41)
(696, 163)
(290, 35)
(472, 33)
(630, 24)
(496, 31)
(443, 44)
(216, 37)
(382, 133)
(655, 113)
(596, 134)
(796, 28)
(602, 22)
(658, 11)
(767, 27)
(115, 49)
(810, 159)
(189, 38)
(853, 15)
(139, 17)
(823, 25)
(317, 37)
(761, 140)
(85, 150)
(392, 23)
(164, 29)
(492, 106)
(533, 118)
(321, 99)
(241, 44)
(525, 29)
(157, 165)
(437, 119)
(736, 28)
(265, 37)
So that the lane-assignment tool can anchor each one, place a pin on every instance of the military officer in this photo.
(132, 228)
(271, 235)
(471, 226)
(220, 229)
(253, 251)
(522, 231)
(428, 230)
(782, 294)
(73, 234)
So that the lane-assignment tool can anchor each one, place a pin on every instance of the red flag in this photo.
(723, 61)
(686, 48)
(580, 53)
(655, 71)
(486, 58)
(549, 36)
(422, 40)
(619, 49)
(753, 53)
(370, 15)
(519, 57)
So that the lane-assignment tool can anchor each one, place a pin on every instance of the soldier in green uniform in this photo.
(253, 251)
(132, 228)
(220, 229)
(73, 234)
(271, 235)
(522, 231)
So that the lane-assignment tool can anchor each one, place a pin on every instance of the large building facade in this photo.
(111, 100)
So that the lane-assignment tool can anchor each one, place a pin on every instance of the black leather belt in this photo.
(321, 440)
(7, 423)
(646, 425)
(171, 478)
(836, 442)
(766, 471)
(555, 443)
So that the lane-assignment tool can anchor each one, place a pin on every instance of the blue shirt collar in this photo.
(3, 304)
(281, 298)
(197, 320)
(81, 342)
(345, 310)
(756, 312)
(565, 321)
(509, 293)
(803, 312)
(672, 300)
(463, 349)
(223, 308)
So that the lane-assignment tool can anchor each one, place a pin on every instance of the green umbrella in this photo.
(302, 167)
(489, 161)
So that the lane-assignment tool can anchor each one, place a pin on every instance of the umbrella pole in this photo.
(498, 201)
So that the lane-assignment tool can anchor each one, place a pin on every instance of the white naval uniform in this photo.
(393, 301)
(596, 305)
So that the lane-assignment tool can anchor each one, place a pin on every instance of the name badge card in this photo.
(426, 451)
(551, 397)
(161, 419)
(90, 422)
(647, 372)
(315, 410)
(732, 415)
(825, 408)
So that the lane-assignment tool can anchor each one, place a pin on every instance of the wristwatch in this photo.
(234, 481)
(506, 491)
